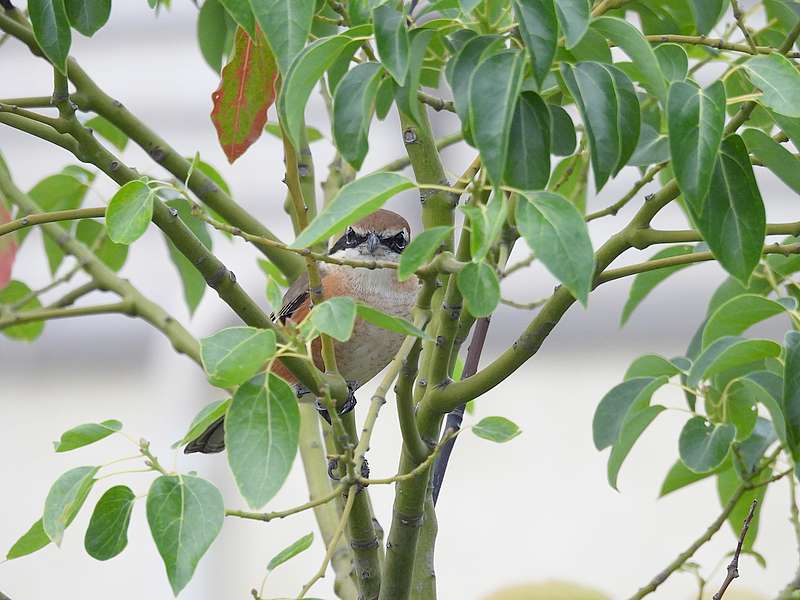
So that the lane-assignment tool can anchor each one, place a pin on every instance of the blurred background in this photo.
(537, 508)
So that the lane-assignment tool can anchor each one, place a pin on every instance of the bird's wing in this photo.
(296, 301)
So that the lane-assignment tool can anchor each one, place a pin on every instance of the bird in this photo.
(382, 235)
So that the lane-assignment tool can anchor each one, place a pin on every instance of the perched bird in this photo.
(383, 235)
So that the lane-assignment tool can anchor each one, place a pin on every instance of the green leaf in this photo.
(539, 30)
(739, 314)
(644, 283)
(460, 70)
(353, 105)
(388, 322)
(129, 212)
(51, 30)
(185, 515)
(231, 356)
(304, 543)
(467, 6)
(679, 476)
(573, 15)
(312, 134)
(558, 236)
(570, 179)
(64, 500)
(704, 445)
(354, 201)
(406, 94)
(480, 287)
(305, 71)
(707, 13)
(14, 292)
(273, 272)
(286, 24)
(421, 250)
(86, 434)
(31, 541)
(107, 534)
(493, 92)
(619, 405)
(633, 43)
(790, 400)
(274, 295)
(610, 111)
(88, 16)
(93, 234)
(740, 409)
(246, 91)
(496, 429)
(732, 219)
(261, 432)
(528, 161)
(695, 119)
(728, 482)
(193, 282)
(391, 38)
(729, 352)
(778, 79)
(673, 60)
(207, 416)
(631, 431)
(335, 317)
(241, 12)
(767, 388)
(774, 156)
(212, 33)
(752, 449)
(651, 365)
(562, 131)
(653, 147)
(63, 191)
(112, 133)
(485, 224)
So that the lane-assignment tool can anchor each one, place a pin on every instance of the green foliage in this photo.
(479, 285)
(304, 543)
(558, 236)
(388, 322)
(208, 415)
(703, 445)
(354, 201)
(185, 516)
(86, 434)
(352, 111)
(644, 283)
(496, 429)
(31, 541)
(107, 534)
(335, 317)
(421, 250)
(261, 429)
(14, 293)
(129, 212)
(233, 355)
(65, 499)
(88, 16)
(51, 28)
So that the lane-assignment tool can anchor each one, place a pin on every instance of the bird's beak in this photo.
(373, 241)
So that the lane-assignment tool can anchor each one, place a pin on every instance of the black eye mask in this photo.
(351, 239)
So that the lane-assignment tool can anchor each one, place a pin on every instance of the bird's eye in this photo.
(399, 241)
(351, 237)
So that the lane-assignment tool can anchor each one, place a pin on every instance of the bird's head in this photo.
(383, 235)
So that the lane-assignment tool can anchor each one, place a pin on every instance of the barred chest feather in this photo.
(371, 348)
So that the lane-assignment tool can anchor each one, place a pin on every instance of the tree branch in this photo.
(733, 567)
(50, 217)
(12, 318)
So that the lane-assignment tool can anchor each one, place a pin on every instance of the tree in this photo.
(529, 80)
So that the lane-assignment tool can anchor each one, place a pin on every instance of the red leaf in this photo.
(8, 250)
(246, 91)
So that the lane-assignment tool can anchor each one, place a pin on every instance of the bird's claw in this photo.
(333, 465)
(349, 404)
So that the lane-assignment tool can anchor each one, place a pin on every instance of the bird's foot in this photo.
(349, 403)
(333, 466)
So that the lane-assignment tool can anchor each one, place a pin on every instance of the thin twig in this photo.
(524, 305)
(281, 514)
(50, 217)
(615, 208)
(733, 567)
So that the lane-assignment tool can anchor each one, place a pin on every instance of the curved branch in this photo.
(47, 314)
